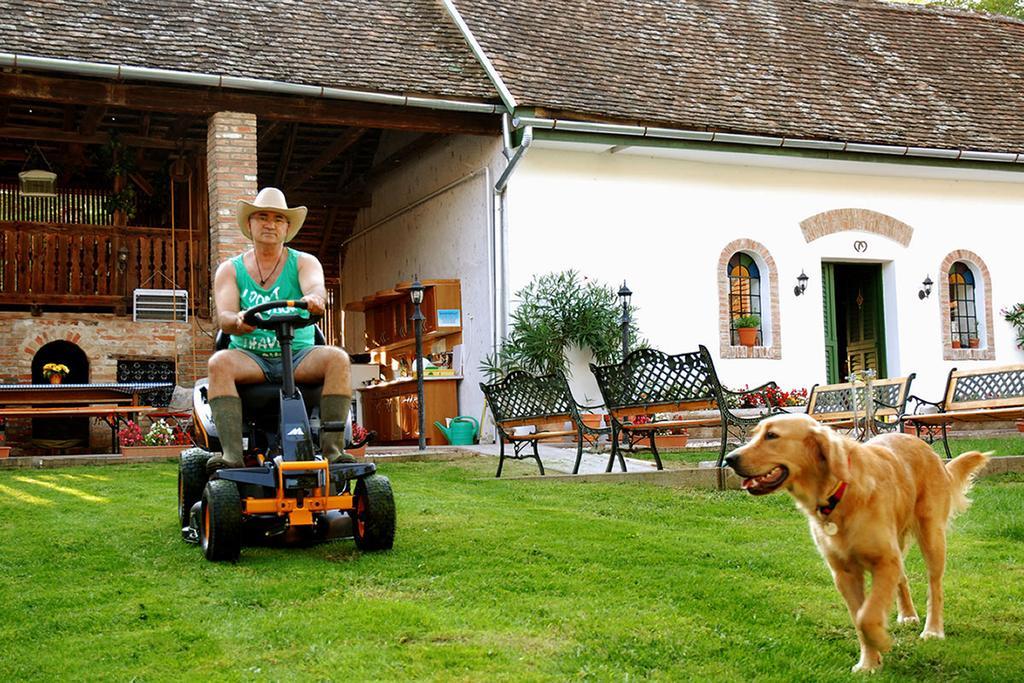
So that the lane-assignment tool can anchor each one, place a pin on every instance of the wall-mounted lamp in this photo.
(927, 288)
(801, 283)
(122, 258)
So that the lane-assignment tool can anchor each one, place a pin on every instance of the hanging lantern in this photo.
(38, 183)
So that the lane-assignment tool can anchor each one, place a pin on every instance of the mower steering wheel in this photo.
(252, 315)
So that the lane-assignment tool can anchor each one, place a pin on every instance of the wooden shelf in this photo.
(389, 313)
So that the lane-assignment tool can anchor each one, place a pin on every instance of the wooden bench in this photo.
(983, 395)
(543, 402)
(113, 415)
(649, 382)
(844, 406)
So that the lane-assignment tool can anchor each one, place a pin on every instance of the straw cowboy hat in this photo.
(270, 199)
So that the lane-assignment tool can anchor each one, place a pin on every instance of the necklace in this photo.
(263, 280)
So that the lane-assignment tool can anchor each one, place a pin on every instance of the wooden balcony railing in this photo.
(59, 265)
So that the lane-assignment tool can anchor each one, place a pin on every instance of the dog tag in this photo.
(830, 528)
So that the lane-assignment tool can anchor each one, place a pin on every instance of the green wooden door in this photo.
(828, 281)
(865, 321)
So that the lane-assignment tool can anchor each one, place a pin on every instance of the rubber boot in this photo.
(334, 408)
(227, 416)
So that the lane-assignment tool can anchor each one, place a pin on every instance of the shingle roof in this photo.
(851, 70)
(398, 46)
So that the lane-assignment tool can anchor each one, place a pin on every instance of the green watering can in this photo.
(461, 432)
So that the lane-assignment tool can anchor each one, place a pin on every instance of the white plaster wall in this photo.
(661, 224)
(446, 236)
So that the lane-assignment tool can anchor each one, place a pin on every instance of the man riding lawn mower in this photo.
(289, 471)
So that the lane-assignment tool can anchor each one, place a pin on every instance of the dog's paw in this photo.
(868, 664)
(932, 633)
(912, 619)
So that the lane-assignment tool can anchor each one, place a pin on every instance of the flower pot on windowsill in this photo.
(56, 379)
(955, 343)
(747, 336)
(974, 342)
(172, 451)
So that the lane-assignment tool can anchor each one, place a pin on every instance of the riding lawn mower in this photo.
(287, 488)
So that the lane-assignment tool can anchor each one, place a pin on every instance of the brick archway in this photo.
(863, 220)
(984, 282)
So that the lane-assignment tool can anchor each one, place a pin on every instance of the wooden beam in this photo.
(49, 134)
(335, 149)
(178, 129)
(410, 152)
(285, 159)
(271, 131)
(207, 101)
(91, 119)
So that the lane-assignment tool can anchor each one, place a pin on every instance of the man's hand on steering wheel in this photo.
(251, 317)
(316, 304)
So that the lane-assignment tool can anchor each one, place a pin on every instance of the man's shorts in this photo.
(271, 367)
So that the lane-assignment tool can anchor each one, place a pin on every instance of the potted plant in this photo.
(359, 436)
(1015, 316)
(555, 312)
(161, 441)
(746, 327)
(973, 342)
(55, 372)
(956, 343)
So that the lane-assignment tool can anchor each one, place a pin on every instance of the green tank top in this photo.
(264, 342)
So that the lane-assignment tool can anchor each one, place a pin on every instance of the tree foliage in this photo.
(556, 311)
(1010, 8)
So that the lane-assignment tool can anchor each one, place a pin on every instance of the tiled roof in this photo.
(397, 46)
(850, 70)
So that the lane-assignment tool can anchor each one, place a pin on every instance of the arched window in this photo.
(963, 307)
(744, 291)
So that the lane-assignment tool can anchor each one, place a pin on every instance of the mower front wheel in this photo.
(191, 480)
(220, 533)
(373, 516)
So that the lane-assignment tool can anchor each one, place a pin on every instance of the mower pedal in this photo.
(190, 535)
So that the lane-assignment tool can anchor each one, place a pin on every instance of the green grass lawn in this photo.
(488, 581)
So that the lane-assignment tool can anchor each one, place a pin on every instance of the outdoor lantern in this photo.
(801, 283)
(416, 294)
(36, 182)
(624, 297)
(927, 288)
(416, 291)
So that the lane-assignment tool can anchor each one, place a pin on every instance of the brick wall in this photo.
(103, 338)
(231, 174)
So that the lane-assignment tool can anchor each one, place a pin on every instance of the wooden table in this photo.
(112, 402)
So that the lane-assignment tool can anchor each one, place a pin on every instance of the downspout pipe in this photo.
(189, 78)
(499, 187)
(765, 141)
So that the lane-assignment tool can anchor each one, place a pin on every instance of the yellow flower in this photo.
(55, 369)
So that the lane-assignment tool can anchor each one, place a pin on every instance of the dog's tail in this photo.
(962, 470)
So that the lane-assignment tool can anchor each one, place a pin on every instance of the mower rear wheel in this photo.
(191, 480)
(220, 533)
(373, 516)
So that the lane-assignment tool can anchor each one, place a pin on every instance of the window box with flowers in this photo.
(161, 441)
(55, 372)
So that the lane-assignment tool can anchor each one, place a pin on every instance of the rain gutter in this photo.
(139, 73)
(764, 141)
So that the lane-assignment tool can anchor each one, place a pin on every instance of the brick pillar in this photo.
(231, 174)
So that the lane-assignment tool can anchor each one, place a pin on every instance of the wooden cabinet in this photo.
(389, 313)
(392, 410)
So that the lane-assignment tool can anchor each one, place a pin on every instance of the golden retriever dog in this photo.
(863, 502)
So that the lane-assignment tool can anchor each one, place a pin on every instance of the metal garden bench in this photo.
(987, 394)
(543, 402)
(844, 406)
(649, 382)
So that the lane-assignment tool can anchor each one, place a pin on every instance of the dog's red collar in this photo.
(833, 500)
